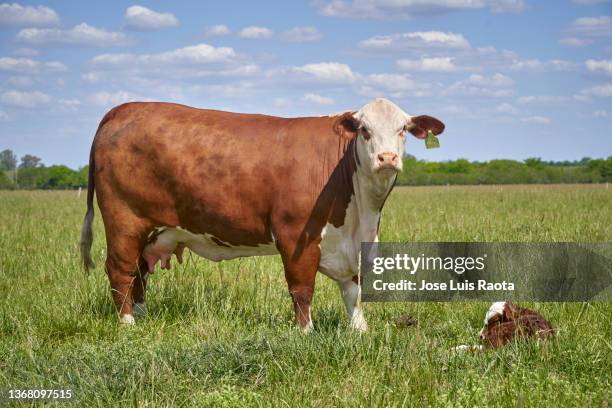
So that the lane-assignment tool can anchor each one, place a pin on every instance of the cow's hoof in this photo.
(359, 325)
(127, 319)
(139, 309)
(306, 329)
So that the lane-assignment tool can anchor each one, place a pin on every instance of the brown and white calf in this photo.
(228, 185)
(506, 321)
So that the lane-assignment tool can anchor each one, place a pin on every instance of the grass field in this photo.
(221, 334)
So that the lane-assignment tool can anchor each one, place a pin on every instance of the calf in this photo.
(506, 321)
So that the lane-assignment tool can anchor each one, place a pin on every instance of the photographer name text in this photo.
(451, 285)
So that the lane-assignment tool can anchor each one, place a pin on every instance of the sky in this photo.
(509, 78)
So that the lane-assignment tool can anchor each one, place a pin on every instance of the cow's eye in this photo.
(365, 133)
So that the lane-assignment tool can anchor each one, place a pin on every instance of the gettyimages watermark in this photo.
(461, 271)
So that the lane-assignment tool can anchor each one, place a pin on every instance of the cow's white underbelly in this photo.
(204, 245)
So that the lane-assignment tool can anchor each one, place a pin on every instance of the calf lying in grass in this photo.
(505, 322)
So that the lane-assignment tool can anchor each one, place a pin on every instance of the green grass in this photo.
(222, 334)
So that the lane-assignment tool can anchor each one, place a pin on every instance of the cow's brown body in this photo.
(240, 182)
(241, 178)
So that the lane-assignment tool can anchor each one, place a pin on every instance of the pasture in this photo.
(221, 334)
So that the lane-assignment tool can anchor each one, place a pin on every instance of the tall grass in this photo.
(222, 334)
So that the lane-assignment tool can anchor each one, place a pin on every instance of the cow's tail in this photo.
(87, 228)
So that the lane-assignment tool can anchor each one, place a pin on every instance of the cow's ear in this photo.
(347, 125)
(420, 125)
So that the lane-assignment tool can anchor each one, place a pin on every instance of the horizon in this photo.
(511, 79)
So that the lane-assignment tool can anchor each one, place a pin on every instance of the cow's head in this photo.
(380, 128)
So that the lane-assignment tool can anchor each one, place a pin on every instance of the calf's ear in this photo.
(346, 126)
(419, 125)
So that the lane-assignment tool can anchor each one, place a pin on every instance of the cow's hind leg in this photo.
(121, 262)
(351, 295)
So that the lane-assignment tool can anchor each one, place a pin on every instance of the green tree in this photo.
(8, 160)
(29, 161)
(5, 182)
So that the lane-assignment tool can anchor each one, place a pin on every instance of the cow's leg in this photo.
(351, 295)
(140, 287)
(121, 261)
(300, 272)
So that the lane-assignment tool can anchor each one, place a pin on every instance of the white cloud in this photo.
(575, 41)
(591, 2)
(416, 40)
(21, 81)
(539, 120)
(217, 30)
(29, 66)
(231, 90)
(302, 34)
(393, 85)
(21, 99)
(26, 52)
(592, 27)
(256, 33)
(506, 108)
(535, 65)
(541, 100)
(16, 15)
(82, 34)
(495, 86)
(108, 99)
(326, 72)
(69, 104)
(317, 99)
(601, 114)
(602, 91)
(599, 66)
(394, 9)
(508, 6)
(145, 19)
(496, 80)
(195, 54)
(435, 64)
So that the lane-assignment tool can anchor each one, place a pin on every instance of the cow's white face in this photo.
(381, 137)
(380, 128)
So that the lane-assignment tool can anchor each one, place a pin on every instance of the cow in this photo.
(229, 185)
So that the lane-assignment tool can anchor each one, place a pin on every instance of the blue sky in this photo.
(510, 78)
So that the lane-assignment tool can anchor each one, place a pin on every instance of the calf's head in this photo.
(380, 128)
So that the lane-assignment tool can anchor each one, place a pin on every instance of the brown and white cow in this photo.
(228, 185)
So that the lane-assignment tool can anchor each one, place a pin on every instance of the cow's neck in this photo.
(369, 197)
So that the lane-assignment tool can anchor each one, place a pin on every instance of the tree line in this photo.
(30, 173)
(530, 171)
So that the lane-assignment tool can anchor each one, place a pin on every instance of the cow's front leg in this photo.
(139, 288)
(351, 295)
(300, 271)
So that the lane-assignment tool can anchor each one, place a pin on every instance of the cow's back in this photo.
(210, 171)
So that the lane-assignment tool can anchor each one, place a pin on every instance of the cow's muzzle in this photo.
(387, 161)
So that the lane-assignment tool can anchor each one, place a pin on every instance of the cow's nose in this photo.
(387, 158)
